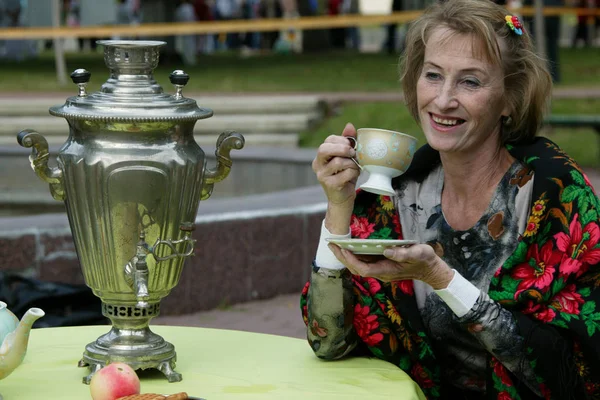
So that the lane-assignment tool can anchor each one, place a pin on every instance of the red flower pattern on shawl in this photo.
(546, 315)
(397, 225)
(374, 285)
(545, 391)
(578, 246)
(365, 324)
(406, 286)
(304, 306)
(541, 273)
(421, 376)
(317, 330)
(501, 372)
(305, 288)
(567, 300)
(361, 284)
(360, 227)
(504, 396)
(540, 311)
(587, 181)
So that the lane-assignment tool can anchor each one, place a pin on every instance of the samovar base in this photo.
(138, 348)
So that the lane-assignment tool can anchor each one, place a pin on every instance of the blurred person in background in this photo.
(203, 10)
(227, 10)
(551, 33)
(73, 19)
(581, 30)
(123, 13)
(10, 12)
(73, 11)
(391, 41)
(350, 7)
(250, 11)
(290, 39)
(337, 35)
(185, 45)
(135, 7)
(11, 16)
(313, 39)
(270, 9)
(126, 15)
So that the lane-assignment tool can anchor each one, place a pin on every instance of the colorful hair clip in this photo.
(514, 24)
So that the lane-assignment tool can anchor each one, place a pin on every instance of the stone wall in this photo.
(254, 171)
(250, 247)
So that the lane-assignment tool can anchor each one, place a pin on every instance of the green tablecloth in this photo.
(215, 364)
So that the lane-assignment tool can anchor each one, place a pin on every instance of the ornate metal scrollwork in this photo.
(39, 162)
(226, 142)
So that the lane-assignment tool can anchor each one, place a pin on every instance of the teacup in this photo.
(384, 154)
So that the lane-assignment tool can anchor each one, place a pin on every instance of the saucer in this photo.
(370, 246)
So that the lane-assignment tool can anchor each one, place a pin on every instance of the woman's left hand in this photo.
(399, 263)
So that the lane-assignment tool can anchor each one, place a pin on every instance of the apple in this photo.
(113, 381)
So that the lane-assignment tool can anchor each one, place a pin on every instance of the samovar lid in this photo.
(131, 93)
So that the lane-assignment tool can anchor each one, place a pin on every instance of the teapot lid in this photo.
(131, 93)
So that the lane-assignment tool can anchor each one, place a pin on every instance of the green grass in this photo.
(582, 145)
(579, 67)
(227, 72)
(340, 71)
(328, 71)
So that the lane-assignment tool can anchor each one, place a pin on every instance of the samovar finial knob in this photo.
(179, 79)
(81, 77)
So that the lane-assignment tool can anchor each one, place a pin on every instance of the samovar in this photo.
(131, 176)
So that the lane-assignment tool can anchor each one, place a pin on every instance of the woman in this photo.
(499, 298)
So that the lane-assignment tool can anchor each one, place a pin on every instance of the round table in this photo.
(215, 364)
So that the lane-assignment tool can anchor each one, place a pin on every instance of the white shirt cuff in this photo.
(325, 257)
(460, 295)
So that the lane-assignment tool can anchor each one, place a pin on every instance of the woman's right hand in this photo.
(335, 170)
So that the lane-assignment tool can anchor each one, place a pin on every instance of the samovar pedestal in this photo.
(131, 341)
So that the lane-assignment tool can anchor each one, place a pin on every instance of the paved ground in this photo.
(279, 316)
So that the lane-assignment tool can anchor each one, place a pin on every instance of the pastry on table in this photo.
(155, 396)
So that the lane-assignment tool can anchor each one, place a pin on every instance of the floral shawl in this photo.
(551, 285)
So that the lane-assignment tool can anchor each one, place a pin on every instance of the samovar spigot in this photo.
(140, 273)
(136, 270)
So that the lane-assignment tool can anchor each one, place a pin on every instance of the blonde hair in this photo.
(527, 82)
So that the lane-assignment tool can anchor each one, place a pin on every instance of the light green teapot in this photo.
(14, 336)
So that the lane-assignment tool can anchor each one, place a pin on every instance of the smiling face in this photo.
(460, 95)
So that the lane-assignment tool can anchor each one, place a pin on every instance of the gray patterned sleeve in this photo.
(499, 334)
(330, 313)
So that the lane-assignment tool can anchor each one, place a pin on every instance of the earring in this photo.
(507, 120)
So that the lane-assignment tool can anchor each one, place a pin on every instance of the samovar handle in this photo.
(226, 142)
(39, 162)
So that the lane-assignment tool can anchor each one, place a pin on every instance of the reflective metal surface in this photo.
(132, 177)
